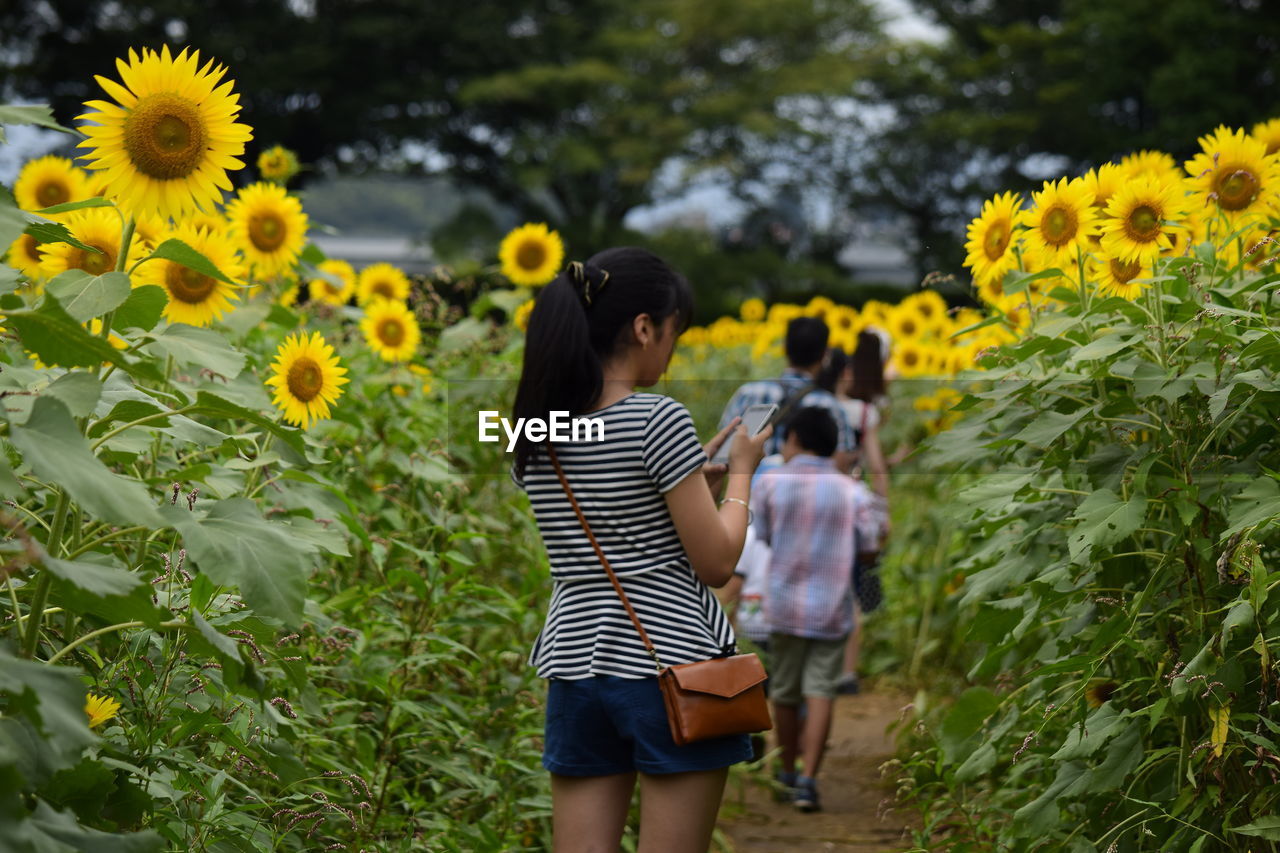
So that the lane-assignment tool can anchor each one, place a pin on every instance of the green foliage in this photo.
(1113, 517)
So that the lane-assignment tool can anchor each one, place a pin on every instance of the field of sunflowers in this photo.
(259, 595)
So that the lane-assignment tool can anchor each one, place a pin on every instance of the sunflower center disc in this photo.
(266, 231)
(531, 255)
(391, 332)
(1059, 225)
(187, 285)
(165, 136)
(1144, 224)
(94, 263)
(31, 246)
(997, 241)
(1123, 272)
(383, 289)
(305, 379)
(53, 192)
(1236, 187)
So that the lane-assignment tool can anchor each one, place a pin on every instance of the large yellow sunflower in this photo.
(390, 329)
(1121, 278)
(381, 281)
(1268, 133)
(1139, 219)
(166, 144)
(195, 298)
(98, 227)
(1060, 221)
(307, 379)
(531, 255)
(269, 227)
(1234, 172)
(25, 255)
(990, 246)
(324, 290)
(50, 180)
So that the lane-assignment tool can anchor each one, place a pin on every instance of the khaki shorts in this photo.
(802, 666)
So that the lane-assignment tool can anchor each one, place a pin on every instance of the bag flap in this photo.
(723, 677)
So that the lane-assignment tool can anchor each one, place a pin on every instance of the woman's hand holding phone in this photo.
(715, 471)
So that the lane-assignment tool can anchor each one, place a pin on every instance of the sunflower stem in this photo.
(32, 638)
(122, 626)
(251, 481)
(147, 419)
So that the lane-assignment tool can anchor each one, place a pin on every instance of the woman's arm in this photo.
(712, 537)
(877, 468)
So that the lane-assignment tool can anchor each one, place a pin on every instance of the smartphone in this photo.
(755, 418)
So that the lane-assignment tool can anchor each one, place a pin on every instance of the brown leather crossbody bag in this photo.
(704, 699)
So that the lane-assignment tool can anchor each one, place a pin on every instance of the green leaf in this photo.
(1041, 814)
(141, 310)
(67, 207)
(78, 390)
(1047, 426)
(84, 296)
(39, 115)
(966, 717)
(179, 252)
(58, 340)
(1104, 346)
(91, 577)
(218, 640)
(1104, 520)
(1100, 726)
(212, 405)
(56, 451)
(61, 828)
(56, 232)
(203, 347)
(1241, 614)
(52, 697)
(234, 545)
(1267, 827)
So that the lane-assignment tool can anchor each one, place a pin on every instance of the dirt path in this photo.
(851, 788)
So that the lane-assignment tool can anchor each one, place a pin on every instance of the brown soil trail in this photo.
(850, 784)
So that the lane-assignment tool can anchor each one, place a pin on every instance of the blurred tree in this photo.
(1021, 88)
(565, 110)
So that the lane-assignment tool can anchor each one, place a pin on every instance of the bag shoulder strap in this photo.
(582, 519)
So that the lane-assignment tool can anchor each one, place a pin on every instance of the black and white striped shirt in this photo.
(649, 446)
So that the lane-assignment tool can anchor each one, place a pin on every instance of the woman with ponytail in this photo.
(597, 333)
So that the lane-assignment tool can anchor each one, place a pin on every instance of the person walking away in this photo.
(805, 512)
(599, 331)
(805, 346)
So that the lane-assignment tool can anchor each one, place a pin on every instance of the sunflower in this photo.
(752, 310)
(1268, 133)
(149, 230)
(909, 357)
(990, 246)
(50, 180)
(783, 313)
(1233, 171)
(381, 281)
(1099, 691)
(307, 379)
(906, 324)
(269, 227)
(521, 315)
(98, 227)
(390, 329)
(1138, 219)
(195, 298)
(99, 709)
(1103, 183)
(25, 255)
(820, 307)
(1151, 164)
(289, 296)
(277, 164)
(1060, 221)
(167, 143)
(1120, 278)
(930, 307)
(210, 221)
(844, 321)
(531, 255)
(323, 288)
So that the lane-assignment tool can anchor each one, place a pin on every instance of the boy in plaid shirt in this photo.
(805, 511)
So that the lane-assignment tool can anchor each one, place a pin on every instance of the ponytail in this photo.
(580, 321)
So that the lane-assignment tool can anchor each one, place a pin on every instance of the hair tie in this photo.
(581, 281)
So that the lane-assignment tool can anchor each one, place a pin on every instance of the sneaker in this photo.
(848, 685)
(787, 782)
(805, 797)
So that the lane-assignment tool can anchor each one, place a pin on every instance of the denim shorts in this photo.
(603, 725)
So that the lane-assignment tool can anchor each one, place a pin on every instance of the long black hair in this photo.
(868, 368)
(580, 321)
